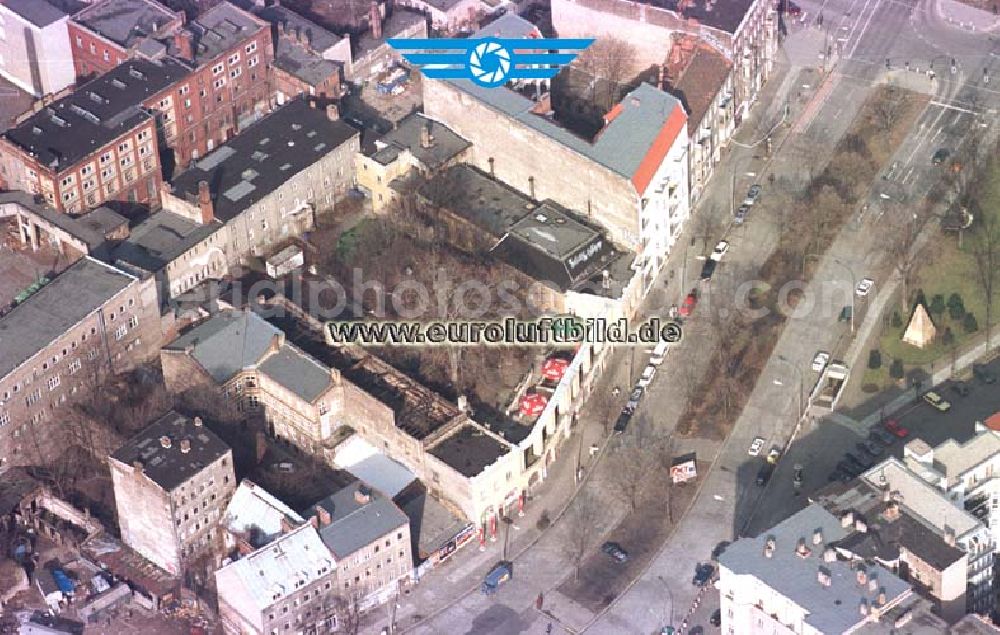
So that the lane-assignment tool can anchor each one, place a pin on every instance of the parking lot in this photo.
(821, 448)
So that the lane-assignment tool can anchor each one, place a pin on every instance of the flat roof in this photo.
(319, 39)
(356, 523)
(125, 22)
(38, 12)
(297, 372)
(96, 113)
(160, 239)
(81, 289)
(170, 467)
(445, 144)
(399, 20)
(829, 609)
(432, 525)
(89, 228)
(953, 459)
(307, 66)
(219, 29)
(725, 15)
(263, 157)
(470, 450)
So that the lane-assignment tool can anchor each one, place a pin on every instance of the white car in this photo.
(659, 353)
(647, 376)
(756, 447)
(864, 286)
(720, 250)
(820, 361)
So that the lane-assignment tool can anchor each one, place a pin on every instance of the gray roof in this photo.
(432, 525)
(470, 450)
(57, 307)
(170, 467)
(102, 220)
(38, 12)
(297, 372)
(509, 25)
(219, 29)
(319, 38)
(86, 228)
(353, 524)
(445, 144)
(307, 66)
(160, 239)
(227, 343)
(263, 157)
(95, 113)
(398, 21)
(833, 609)
(125, 22)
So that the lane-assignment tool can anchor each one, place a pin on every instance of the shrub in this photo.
(956, 312)
(956, 303)
(970, 324)
(874, 359)
(543, 521)
(948, 338)
(896, 369)
(897, 321)
(938, 305)
(869, 388)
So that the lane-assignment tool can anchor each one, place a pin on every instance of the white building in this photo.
(35, 53)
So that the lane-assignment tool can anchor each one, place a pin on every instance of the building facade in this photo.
(34, 46)
(172, 484)
(91, 321)
(304, 56)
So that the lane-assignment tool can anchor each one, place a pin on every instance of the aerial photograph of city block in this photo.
(499, 317)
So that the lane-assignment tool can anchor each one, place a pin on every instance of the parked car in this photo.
(864, 287)
(702, 574)
(659, 353)
(940, 156)
(794, 10)
(633, 400)
(756, 446)
(764, 474)
(896, 428)
(616, 551)
(936, 401)
(858, 461)
(499, 574)
(883, 437)
(720, 250)
(871, 447)
(983, 374)
(741, 214)
(690, 302)
(774, 454)
(716, 618)
(647, 376)
(820, 361)
(622, 422)
(752, 195)
(708, 269)
(849, 468)
(961, 389)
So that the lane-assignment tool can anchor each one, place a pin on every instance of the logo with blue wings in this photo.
(490, 62)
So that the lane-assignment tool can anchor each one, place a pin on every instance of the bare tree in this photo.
(640, 454)
(905, 254)
(887, 109)
(347, 614)
(581, 529)
(612, 60)
(985, 248)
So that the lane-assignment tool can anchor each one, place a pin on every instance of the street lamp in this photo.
(850, 272)
(798, 373)
(670, 623)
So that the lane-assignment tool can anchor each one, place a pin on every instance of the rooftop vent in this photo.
(817, 536)
(117, 83)
(823, 576)
(197, 422)
(165, 441)
(136, 73)
(541, 218)
(185, 446)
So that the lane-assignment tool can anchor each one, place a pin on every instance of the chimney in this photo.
(886, 493)
(463, 403)
(185, 446)
(801, 550)
(165, 442)
(184, 42)
(197, 422)
(361, 496)
(881, 597)
(425, 136)
(829, 554)
(863, 607)
(137, 466)
(314, 521)
(873, 583)
(859, 525)
(205, 203)
(769, 546)
(661, 80)
(376, 21)
(818, 537)
(949, 536)
(823, 576)
(323, 516)
(276, 341)
(892, 511)
(285, 525)
(862, 577)
(332, 113)
(244, 547)
(847, 520)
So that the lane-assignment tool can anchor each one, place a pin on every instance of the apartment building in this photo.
(288, 586)
(89, 321)
(265, 184)
(946, 515)
(107, 33)
(789, 579)
(631, 178)
(416, 146)
(745, 33)
(34, 46)
(96, 146)
(251, 362)
(305, 56)
(173, 482)
(369, 537)
(255, 519)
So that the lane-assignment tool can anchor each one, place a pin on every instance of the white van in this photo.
(659, 353)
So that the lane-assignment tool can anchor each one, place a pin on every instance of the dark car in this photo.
(849, 468)
(961, 389)
(716, 619)
(616, 551)
(856, 461)
(719, 549)
(708, 269)
(764, 474)
(940, 156)
(623, 420)
(883, 437)
(741, 214)
(794, 10)
(983, 374)
(702, 574)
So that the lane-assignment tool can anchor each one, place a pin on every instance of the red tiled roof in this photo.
(658, 151)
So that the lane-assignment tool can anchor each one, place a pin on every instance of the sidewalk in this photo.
(966, 17)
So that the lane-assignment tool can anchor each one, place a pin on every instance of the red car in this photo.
(896, 428)
(690, 302)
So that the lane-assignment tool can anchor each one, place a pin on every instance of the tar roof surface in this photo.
(58, 306)
(160, 239)
(294, 59)
(470, 450)
(297, 372)
(484, 202)
(124, 22)
(95, 114)
(263, 157)
(37, 12)
(170, 467)
(445, 144)
(832, 609)
(220, 28)
(726, 15)
(88, 228)
(353, 524)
